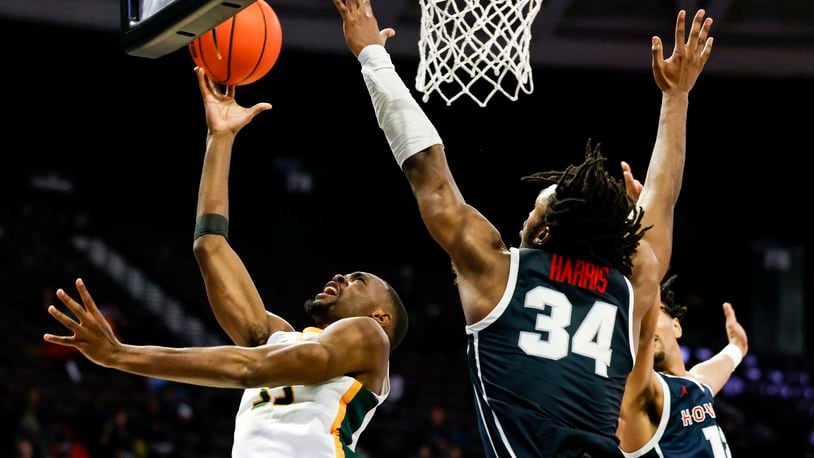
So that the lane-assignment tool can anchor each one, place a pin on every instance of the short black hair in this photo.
(398, 313)
(591, 216)
(668, 299)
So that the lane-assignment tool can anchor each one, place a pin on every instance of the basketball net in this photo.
(475, 47)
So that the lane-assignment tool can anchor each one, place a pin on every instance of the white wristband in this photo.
(406, 127)
(734, 352)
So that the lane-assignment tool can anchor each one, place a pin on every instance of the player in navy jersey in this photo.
(674, 415)
(552, 326)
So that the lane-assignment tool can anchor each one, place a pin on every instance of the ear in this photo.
(542, 237)
(382, 317)
(677, 330)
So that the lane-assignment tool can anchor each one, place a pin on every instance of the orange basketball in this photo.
(242, 49)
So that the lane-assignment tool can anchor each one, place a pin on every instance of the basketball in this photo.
(242, 49)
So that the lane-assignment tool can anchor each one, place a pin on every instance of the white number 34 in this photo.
(592, 339)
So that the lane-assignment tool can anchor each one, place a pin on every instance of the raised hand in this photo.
(92, 335)
(360, 26)
(223, 113)
(681, 70)
(734, 330)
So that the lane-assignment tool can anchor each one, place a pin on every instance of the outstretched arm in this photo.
(675, 77)
(472, 242)
(716, 371)
(350, 346)
(232, 294)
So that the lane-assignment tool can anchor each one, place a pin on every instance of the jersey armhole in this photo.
(503, 303)
(665, 416)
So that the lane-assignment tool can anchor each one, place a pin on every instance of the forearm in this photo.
(670, 147)
(218, 367)
(405, 125)
(664, 176)
(222, 367)
(213, 192)
(715, 371)
(231, 292)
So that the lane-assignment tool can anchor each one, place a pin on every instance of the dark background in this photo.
(315, 191)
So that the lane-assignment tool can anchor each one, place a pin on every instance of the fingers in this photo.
(214, 90)
(729, 312)
(679, 40)
(706, 51)
(340, 6)
(260, 107)
(658, 53)
(351, 6)
(202, 84)
(386, 34)
(702, 38)
(360, 4)
(90, 304)
(59, 340)
(64, 319)
(695, 31)
(632, 185)
(74, 306)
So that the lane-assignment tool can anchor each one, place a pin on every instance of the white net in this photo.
(475, 47)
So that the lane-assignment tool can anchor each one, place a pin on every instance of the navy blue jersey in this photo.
(549, 363)
(687, 428)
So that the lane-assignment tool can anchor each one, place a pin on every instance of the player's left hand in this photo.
(680, 71)
(734, 330)
(360, 26)
(223, 113)
(92, 335)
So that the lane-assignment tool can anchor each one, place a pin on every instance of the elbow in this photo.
(303, 364)
(252, 373)
(246, 377)
(205, 246)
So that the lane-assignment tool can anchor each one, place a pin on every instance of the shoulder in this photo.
(360, 331)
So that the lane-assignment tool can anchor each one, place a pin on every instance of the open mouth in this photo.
(331, 289)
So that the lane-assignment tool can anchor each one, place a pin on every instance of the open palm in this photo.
(680, 71)
(223, 113)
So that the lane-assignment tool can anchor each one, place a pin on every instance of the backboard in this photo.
(154, 28)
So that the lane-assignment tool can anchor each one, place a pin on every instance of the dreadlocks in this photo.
(591, 217)
(668, 299)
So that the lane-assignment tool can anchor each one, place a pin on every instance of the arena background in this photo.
(101, 155)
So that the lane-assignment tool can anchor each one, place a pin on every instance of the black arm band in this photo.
(211, 223)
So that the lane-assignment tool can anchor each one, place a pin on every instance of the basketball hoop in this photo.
(475, 47)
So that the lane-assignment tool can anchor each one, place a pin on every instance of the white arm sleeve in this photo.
(406, 127)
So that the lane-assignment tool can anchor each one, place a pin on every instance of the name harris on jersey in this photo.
(579, 273)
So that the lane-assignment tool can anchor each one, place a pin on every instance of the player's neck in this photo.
(674, 365)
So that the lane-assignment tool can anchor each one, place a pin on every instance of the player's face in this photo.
(530, 235)
(668, 330)
(355, 294)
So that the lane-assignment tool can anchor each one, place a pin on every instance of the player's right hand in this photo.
(360, 26)
(92, 335)
(223, 113)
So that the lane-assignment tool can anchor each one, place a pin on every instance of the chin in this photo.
(658, 360)
(316, 307)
